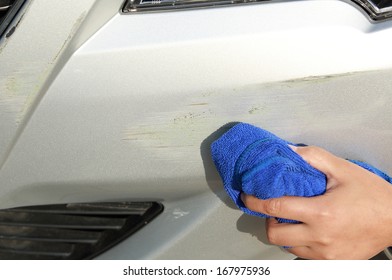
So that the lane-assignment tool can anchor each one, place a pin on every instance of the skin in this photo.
(352, 220)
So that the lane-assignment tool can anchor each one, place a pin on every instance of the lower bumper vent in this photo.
(388, 252)
(70, 231)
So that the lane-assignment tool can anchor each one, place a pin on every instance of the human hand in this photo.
(352, 220)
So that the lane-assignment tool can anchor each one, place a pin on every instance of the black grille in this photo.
(378, 10)
(8, 10)
(70, 231)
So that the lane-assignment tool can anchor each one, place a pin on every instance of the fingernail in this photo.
(294, 148)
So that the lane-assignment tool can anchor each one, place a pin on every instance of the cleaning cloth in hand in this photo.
(256, 162)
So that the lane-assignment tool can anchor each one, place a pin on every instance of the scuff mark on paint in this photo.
(73, 31)
(199, 104)
(256, 109)
(289, 110)
(178, 213)
(314, 79)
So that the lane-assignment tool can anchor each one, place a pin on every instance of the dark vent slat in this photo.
(10, 255)
(48, 234)
(59, 221)
(123, 208)
(41, 248)
(70, 231)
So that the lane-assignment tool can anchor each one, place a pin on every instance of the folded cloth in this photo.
(256, 162)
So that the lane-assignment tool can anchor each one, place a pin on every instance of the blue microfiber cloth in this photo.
(256, 162)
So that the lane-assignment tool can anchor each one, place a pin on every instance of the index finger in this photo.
(320, 159)
(287, 207)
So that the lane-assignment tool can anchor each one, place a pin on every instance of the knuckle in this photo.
(329, 255)
(325, 214)
(271, 237)
(273, 206)
(325, 240)
(311, 150)
(314, 153)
